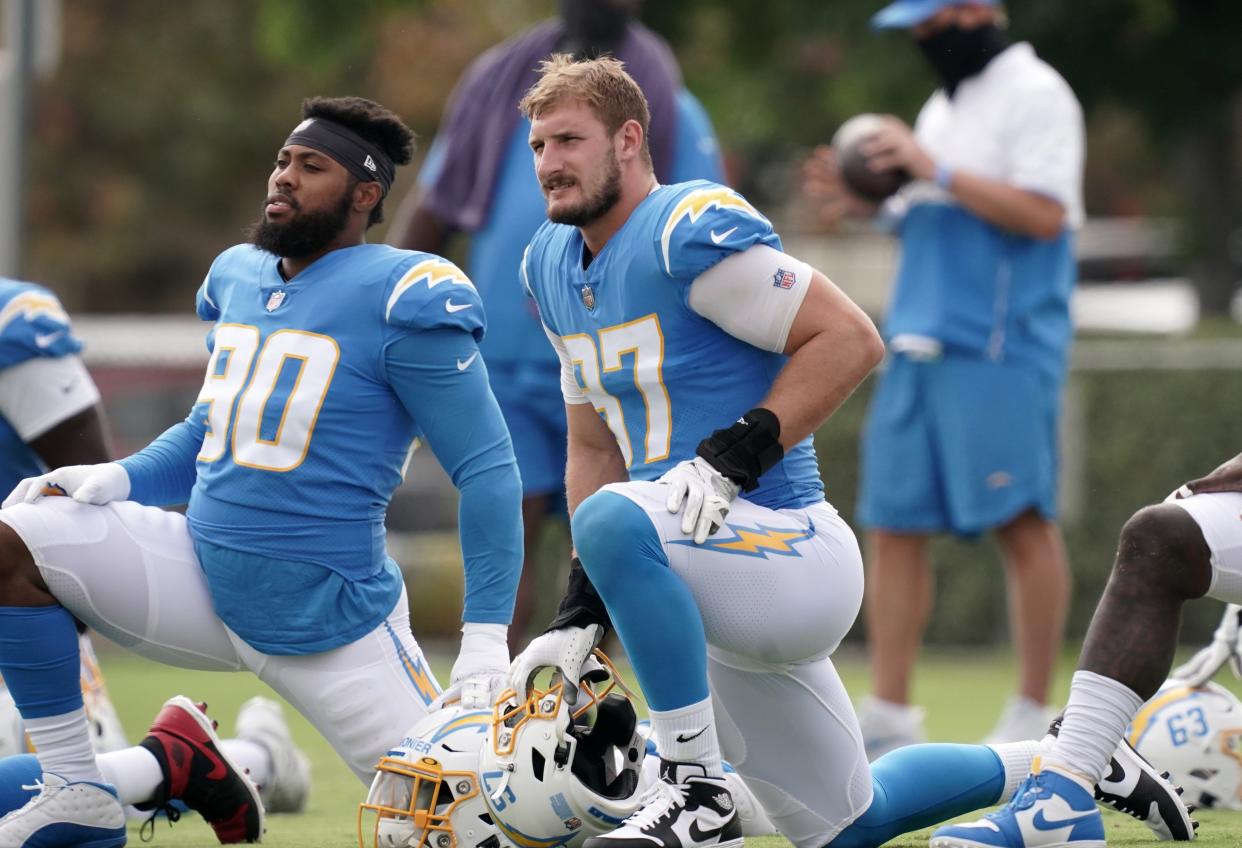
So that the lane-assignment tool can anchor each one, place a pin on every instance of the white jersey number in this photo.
(229, 375)
(643, 342)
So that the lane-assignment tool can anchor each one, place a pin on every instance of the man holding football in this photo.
(961, 435)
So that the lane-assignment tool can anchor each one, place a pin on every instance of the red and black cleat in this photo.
(197, 773)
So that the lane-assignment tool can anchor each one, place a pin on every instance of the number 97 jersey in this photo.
(661, 375)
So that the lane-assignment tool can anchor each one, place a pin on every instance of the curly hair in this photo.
(375, 123)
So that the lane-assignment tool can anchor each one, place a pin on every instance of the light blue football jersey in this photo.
(660, 375)
(304, 440)
(32, 324)
(983, 291)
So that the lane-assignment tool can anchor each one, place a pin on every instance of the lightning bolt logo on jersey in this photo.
(304, 440)
(660, 375)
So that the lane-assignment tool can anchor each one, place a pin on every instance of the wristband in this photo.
(944, 177)
(746, 450)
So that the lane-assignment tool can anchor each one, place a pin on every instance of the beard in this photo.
(307, 234)
(595, 206)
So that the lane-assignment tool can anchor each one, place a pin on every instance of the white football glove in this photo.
(1226, 646)
(567, 649)
(706, 493)
(89, 484)
(479, 674)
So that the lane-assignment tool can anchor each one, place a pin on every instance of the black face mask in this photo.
(958, 53)
(595, 27)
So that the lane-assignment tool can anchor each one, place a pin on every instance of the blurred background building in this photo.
(136, 137)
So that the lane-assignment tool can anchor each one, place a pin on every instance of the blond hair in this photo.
(601, 84)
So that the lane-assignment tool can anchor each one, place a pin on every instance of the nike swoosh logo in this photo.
(449, 306)
(1042, 822)
(703, 835)
(682, 738)
(462, 366)
(1116, 775)
(45, 339)
(717, 238)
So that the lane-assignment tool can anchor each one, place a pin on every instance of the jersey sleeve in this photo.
(433, 293)
(210, 293)
(1045, 139)
(34, 324)
(706, 224)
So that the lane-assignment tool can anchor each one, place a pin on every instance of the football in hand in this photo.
(848, 143)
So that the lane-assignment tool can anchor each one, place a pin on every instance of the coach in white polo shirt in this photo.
(961, 436)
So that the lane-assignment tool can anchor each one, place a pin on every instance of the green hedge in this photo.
(1139, 436)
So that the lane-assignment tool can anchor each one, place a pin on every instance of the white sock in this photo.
(1096, 716)
(688, 735)
(135, 772)
(250, 757)
(64, 745)
(1016, 758)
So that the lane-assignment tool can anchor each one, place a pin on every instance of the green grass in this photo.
(963, 693)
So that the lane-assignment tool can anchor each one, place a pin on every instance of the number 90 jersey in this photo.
(303, 438)
(662, 376)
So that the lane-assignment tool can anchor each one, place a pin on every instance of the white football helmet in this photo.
(426, 790)
(555, 775)
(1195, 734)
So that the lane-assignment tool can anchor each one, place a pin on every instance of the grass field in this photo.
(963, 693)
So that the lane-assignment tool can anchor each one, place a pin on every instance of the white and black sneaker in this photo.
(1135, 787)
(683, 809)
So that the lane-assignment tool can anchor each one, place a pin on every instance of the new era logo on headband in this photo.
(362, 158)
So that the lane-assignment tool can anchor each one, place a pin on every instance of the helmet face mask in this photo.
(426, 792)
(555, 775)
(1196, 735)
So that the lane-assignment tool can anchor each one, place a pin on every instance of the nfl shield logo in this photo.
(275, 299)
(588, 297)
(783, 279)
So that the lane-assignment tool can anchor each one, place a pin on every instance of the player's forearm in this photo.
(820, 375)
(490, 521)
(1008, 207)
(163, 473)
(588, 468)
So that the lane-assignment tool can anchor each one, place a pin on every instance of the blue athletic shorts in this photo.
(530, 401)
(958, 444)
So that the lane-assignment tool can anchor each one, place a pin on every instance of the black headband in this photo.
(355, 154)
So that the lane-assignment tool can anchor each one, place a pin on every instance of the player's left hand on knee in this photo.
(90, 484)
(482, 666)
(701, 494)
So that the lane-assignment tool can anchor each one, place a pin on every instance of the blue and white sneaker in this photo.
(1050, 810)
(80, 814)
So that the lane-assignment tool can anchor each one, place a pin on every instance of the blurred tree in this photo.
(1176, 63)
(151, 144)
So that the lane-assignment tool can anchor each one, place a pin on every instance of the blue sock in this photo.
(652, 609)
(922, 785)
(39, 660)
